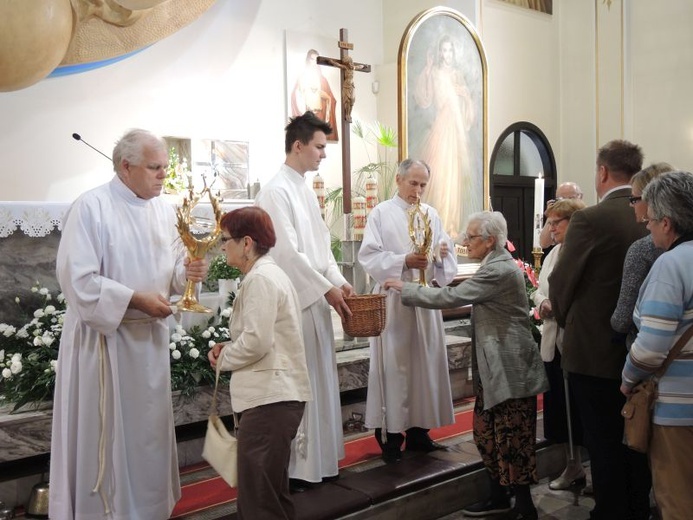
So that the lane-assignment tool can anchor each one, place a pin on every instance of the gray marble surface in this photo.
(23, 262)
(28, 433)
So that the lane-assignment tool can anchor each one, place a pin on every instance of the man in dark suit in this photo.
(585, 286)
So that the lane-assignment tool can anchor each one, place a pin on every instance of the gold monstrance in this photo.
(197, 248)
(420, 234)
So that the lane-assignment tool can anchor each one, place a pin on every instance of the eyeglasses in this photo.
(468, 238)
(555, 222)
(223, 239)
(634, 200)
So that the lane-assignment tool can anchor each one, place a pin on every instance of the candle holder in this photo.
(537, 253)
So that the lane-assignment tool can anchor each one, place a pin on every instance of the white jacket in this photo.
(266, 353)
(551, 333)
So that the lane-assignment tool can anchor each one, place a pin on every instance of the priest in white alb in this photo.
(113, 444)
(303, 252)
(408, 383)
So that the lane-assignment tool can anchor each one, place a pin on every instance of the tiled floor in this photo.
(552, 505)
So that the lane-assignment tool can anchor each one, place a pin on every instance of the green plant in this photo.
(29, 354)
(190, 366)
(176, 173)
(220, 270)
(380, 143)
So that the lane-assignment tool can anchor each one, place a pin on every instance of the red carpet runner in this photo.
(205, 494)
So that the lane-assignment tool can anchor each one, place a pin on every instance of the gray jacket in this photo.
(506, 357)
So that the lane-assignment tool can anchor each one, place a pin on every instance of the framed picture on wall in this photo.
(310, 86)
(543, 6)
(442, 80)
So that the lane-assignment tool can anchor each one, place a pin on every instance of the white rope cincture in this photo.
(102, 419)
(102, 414)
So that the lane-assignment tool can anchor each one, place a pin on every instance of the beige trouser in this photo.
(671, 460)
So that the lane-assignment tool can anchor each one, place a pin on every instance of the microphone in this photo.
(78, 137)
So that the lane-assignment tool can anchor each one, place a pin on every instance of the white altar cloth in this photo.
(39, 218)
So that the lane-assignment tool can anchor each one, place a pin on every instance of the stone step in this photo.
(421, 486)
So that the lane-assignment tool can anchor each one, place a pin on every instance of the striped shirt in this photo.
(664, 311)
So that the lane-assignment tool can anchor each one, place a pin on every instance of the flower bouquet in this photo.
(29, 354)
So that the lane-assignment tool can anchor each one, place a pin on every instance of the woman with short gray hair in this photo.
(507, 368)
(663, 312)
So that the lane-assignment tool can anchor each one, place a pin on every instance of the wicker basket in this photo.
(367, 315)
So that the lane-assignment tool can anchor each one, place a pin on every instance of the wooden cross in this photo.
(347, 67)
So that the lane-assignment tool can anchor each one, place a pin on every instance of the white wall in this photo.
(221, 77)
(661, 56)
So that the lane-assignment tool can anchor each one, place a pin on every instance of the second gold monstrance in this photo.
(421, 234)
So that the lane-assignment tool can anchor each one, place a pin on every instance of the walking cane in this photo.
(567, 410)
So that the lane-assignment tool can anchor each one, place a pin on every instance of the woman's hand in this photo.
(214, 353)
(395, 284)
(545, 309)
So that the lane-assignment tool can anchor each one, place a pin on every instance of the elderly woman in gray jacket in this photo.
(269, 384)
(508, 370)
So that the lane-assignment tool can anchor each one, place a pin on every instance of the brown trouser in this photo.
(264, 447)
(671, 460)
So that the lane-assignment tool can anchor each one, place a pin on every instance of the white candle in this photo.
(319, 189)
(358, 204)
(538, 209)
(371, 194)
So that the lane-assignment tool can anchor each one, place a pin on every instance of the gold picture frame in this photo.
(442, 101)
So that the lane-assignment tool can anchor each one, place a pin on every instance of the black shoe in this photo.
(515, 514)
(391, 453)
(487, 508)
(330, 479)
(392, 449)
(296, 485)
(419, 440)
(426, 445)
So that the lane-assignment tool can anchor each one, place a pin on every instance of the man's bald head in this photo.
(568, 190)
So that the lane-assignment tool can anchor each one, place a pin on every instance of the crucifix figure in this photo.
(347, 67)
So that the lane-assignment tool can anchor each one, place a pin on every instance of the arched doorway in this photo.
(521, 153)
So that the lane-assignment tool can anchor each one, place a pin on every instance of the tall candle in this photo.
(538, 209)
(319, 189)
(371, 194)
(359, 207)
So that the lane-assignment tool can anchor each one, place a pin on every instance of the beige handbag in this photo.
(637, 412)
(220, 448)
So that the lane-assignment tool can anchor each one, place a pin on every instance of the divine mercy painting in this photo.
(442, 80)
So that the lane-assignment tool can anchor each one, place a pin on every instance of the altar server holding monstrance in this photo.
(197, 247)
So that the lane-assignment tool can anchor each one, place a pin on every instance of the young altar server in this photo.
(303, 252)
(408, 382)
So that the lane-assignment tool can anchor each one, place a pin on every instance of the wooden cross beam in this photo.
(347, 67)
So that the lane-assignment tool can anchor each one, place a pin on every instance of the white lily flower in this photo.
(175, 354)
(194, 353)
(6, 373)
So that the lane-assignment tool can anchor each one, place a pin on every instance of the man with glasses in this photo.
(585, 285)
(113, 446)
(566, 190)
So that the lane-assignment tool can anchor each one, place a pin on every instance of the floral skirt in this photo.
(505, 436)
